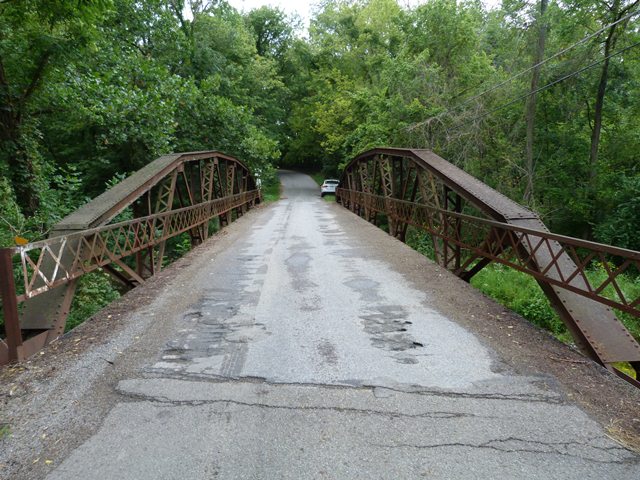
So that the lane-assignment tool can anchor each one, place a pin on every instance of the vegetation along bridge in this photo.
(287, 300)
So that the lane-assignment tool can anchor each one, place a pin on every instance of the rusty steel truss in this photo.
(471, 225)
(123, 232)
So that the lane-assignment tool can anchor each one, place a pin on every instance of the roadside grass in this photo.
(271, 191)
(5, 430)
(522, 294)
(318, 177)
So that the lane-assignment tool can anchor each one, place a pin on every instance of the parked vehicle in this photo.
(329, 187)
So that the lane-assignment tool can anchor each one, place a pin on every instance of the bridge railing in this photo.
(98, 247)
(172, 195)
(535, 252)
(471, 225)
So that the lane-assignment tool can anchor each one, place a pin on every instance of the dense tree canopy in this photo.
(91, 90)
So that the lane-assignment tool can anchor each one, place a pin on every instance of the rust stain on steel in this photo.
(84, 241)
(511, 235)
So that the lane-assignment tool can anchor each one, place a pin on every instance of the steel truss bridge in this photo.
(124, 231)
(469, 225)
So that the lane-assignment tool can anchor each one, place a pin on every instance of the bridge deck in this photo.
(306, 343)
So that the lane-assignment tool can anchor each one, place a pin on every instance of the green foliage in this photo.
(95, 291)
(273, 31)
(271, 191)
(182, 244)
(622, 226)
(520, 293)
(318, 177)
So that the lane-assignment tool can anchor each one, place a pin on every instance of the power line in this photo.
(556, 55)
(527, 70)
(548, 85)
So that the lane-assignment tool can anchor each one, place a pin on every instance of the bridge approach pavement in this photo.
(303, 342)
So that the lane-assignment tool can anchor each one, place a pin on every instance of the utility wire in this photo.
(548, 85)
(527, 70)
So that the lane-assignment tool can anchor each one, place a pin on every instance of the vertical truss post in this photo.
(10, 306)
(445, 228)
(207, 192)
(239, 188)
(187, 176)
(363, 170)
(431, 198)
(388, 190)
(452, 230)
(230, 180)
(144, 258)
(346, 202)
(231, 175)
(373, 186)
(403, 232)
(245, 188)
(164, 204)
(219, 189)
(458, 232)
(195, 195)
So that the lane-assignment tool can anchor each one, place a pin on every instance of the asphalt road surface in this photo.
(300, 345)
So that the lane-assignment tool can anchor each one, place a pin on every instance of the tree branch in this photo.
(37, 76)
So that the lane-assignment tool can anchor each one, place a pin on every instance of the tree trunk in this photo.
(23, 174)
(22, 171)
(530, 115)
(597, 111)
(609, 45)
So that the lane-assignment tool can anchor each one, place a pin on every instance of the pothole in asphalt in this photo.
(387, 327)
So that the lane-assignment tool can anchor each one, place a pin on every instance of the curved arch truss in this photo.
(124, 231)
(469, 225)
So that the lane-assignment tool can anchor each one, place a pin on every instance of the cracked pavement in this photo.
(302, 345)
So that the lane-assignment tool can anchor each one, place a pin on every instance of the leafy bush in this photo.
(522, 294)
(95, 291)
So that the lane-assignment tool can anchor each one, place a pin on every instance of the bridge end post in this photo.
(10, 306)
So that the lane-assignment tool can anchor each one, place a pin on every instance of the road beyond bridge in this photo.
(304, 342)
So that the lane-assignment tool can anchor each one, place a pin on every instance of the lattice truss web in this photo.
(395, 193)
(185, 200)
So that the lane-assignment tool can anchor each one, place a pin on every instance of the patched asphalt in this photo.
(309, 344)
